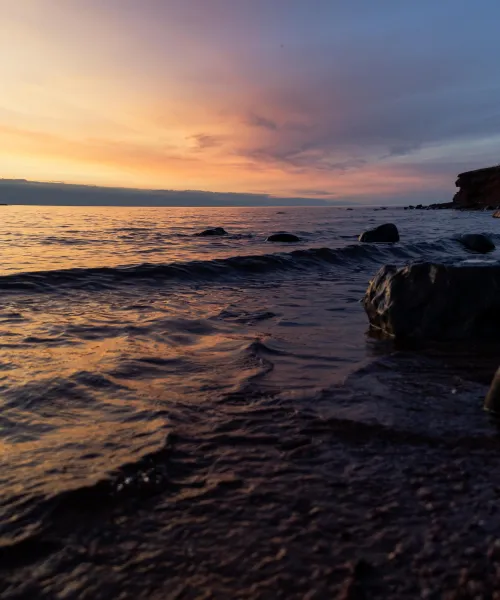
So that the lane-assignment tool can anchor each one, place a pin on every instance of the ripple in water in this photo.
(216, 421)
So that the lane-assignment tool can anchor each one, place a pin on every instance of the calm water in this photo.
(155, 388)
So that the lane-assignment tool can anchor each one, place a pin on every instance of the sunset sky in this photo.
(357, 100)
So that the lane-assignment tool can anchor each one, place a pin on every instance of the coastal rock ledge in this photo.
(435, 301)
(479, 189)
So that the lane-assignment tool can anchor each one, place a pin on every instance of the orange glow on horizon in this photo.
(105, 114)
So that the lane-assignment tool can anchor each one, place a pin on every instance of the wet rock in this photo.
(283, 237)
(496, 214)
(477, 242)
(494, 551)
(492, 402)
(435, 301)
(352, 590)
(211, 232)
(361, 568)
(387, 233)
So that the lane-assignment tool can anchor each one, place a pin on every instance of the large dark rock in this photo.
(434, 301)
(383, 233)
(212, 232)
(283, 237)
(477, 242)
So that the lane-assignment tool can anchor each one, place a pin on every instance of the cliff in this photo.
(478, 189)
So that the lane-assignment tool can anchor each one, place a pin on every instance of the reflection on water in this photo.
(36, 238)
(184, 399)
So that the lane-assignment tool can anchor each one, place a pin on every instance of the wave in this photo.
(351, 256)
(137, 480)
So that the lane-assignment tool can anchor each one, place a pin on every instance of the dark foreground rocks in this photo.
(387, 233)
(283, 237)
(477, 242)
(215, 231)
(435, 301)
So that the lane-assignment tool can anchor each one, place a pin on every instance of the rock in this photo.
(496, 214)
(477, 242)
(478, 189)
(383, 233)
(211, 232)
(440, 206)
(492, 402)
(283, 237)
(435, 301)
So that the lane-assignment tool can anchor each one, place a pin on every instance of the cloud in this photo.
(255, 120)
(204, 141)
(356, 98)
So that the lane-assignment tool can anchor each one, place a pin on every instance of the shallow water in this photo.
(156, 386)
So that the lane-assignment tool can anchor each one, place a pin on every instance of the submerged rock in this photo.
(210, 232)
(477, 242)
(435, 301)
(283, 237)
(492, 402)
(387, 233)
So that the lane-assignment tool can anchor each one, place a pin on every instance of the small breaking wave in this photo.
(139, 479)
(350, 256)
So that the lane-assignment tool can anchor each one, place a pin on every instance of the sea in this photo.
(210, 417)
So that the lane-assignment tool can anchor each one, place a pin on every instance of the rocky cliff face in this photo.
(478, 189)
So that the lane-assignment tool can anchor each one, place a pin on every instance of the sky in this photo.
(325, 100)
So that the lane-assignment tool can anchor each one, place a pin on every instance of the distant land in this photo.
(23, 191)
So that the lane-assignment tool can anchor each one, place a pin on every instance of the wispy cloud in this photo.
(255, 120)
(203, 141)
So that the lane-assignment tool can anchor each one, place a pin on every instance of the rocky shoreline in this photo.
(477, 190)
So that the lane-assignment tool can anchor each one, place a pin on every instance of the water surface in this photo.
(165, 396)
